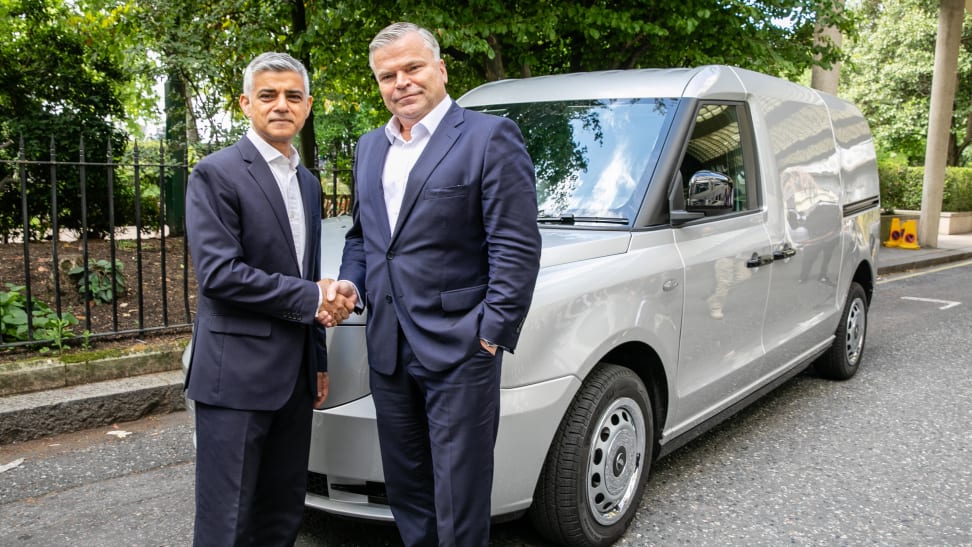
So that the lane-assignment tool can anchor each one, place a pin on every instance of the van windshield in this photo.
(591, 157)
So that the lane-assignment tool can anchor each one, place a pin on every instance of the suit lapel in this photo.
(260, 171)
(440, 143)
(306, 182)
(371, 179)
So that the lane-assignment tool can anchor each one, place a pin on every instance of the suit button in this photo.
(388, 298)
(389, 255)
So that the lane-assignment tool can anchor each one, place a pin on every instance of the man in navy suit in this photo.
(444, 250)
(258, 366)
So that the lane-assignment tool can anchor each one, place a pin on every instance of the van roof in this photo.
(649, 82)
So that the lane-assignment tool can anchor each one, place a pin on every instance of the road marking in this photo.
(947, 303)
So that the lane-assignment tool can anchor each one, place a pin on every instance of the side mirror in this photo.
(710, 191)
(676, 204)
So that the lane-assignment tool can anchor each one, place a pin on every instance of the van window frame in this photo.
(747, 143)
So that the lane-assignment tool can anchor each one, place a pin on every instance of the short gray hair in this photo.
(276, 62)
(397, 31)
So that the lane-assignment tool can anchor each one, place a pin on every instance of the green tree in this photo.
(889, 75)
(485, 40)
(56, 91)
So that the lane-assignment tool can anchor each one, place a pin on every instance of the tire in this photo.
(844, 358)
(607, 433)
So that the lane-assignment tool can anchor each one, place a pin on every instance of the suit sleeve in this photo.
(353, 265)
(319, 338)
(225, 273)
(512, 236)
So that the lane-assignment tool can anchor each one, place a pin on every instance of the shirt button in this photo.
(388, 298)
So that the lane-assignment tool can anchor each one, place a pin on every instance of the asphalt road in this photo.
(885, 458)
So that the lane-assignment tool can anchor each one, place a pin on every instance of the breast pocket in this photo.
(447, 192)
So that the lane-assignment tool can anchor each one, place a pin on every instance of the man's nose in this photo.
(401, 79)
(281, 102)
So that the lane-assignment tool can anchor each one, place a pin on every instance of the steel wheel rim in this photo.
(616, 461)
(856, 328)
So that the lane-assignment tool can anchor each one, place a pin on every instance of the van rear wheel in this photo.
(597, 467)
(844, 358)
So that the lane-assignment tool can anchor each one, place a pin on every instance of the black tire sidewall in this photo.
(625, 384)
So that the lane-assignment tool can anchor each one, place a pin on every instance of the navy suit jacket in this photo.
(462, 261)
(255, 318)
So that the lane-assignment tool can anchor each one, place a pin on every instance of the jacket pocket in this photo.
(446, 192)
(249, 326)
(462, 299)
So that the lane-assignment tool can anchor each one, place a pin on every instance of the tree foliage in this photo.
(206, 46)
(889, 76)
(57, 92)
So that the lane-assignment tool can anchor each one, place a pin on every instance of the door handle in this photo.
(756, 260)
(786, 252)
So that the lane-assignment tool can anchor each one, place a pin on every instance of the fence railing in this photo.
(96, 248)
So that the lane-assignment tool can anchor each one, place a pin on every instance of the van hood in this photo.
(560, 246)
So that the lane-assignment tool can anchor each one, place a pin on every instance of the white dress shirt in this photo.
(284, 171)
(403, 154)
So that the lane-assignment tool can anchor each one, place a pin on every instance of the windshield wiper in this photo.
(571, 220)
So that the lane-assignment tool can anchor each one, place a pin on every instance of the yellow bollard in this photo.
(894, 237)
(910, 238)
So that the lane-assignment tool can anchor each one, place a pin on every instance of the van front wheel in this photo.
(597, 467)
(844, 358)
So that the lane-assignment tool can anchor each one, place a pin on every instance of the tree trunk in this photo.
(494, 66)
(944, 82)
(820, 78)
(308, 137)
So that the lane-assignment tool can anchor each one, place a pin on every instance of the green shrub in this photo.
(47, 324)
(901, 187)
(100, 276)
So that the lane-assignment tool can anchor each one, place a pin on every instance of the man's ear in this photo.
(245, 105)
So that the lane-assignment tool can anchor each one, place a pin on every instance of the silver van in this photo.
(708, 233)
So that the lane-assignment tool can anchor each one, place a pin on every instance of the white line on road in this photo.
(947, 303)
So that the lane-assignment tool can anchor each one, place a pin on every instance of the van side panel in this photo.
(803, 192)
(861, 189)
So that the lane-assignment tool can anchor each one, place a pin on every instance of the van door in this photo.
(805, 228)
(727, 265)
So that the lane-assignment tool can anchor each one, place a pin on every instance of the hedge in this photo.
(901, 188)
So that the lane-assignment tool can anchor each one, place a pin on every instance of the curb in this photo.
(85, 368)
(43, 413)
(925, 262)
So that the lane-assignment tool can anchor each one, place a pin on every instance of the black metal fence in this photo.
(92, 249)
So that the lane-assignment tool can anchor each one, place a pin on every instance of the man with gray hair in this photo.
(258, 364)
(445, 249)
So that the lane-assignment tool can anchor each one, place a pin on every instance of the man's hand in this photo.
(490, 348)
(323, 383)
(338, 302)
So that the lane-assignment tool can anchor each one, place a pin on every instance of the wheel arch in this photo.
(864, 276)
(645, 362)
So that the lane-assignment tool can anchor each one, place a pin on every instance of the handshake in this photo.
(339, 300)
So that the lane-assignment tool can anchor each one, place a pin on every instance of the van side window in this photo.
(714, 176)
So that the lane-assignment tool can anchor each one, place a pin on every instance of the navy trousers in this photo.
(437, 431)
(251, 472)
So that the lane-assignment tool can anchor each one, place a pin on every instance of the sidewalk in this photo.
(60, 410)
(951, 248)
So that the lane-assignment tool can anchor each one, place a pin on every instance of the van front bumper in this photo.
(345, 475)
